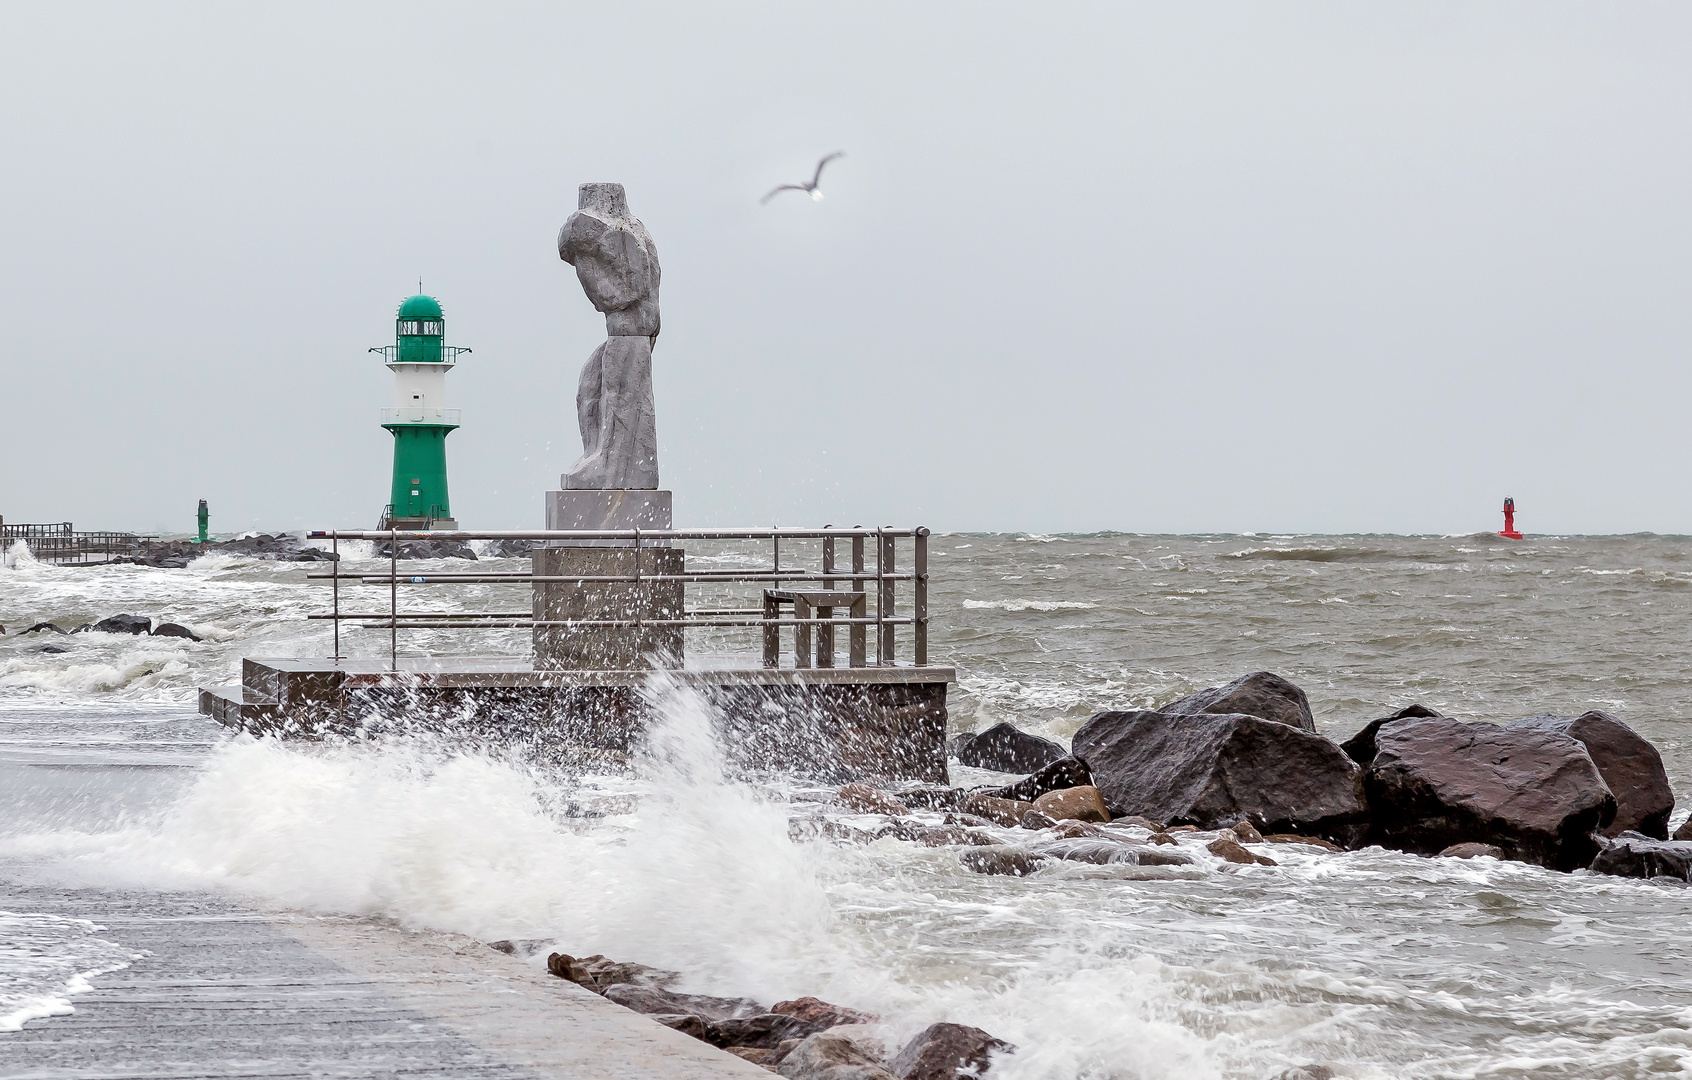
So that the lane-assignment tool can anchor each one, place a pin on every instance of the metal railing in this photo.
(449, 355)
(60, 543)
(420, 416)
(869, 576)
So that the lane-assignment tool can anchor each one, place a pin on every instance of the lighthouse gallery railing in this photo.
(865, 546)
(410, 415)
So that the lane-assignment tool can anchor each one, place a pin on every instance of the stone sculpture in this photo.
(617, 264)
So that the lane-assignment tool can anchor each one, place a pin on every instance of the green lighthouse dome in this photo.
(420, 307)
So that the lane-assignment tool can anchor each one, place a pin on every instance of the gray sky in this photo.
(1176, 267)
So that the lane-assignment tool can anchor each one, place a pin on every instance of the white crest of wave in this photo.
(19, 557)
(1029, 605)
(33, 673)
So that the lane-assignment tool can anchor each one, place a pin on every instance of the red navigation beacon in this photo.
(1510, 532)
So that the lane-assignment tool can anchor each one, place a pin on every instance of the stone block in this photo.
(610, 508)
(606, 648)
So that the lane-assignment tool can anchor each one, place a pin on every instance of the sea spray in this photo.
(699, 876)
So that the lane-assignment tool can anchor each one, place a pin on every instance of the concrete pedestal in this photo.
(606, 648)
(615, 508)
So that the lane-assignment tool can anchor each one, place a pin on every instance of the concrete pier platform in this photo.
(228, 992)
(836, 724)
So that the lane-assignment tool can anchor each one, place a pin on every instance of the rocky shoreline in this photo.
(802, 1039)
(1566, 793)
(290, 547)
(116, 624)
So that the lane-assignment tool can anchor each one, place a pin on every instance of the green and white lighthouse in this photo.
(420, 359)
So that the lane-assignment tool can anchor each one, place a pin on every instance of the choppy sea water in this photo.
(1376, 963)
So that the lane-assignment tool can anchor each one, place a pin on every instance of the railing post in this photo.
(825, 632)
(883, 599)
(801, 632)
(856, 636)
(638, 600)
(335, 571)
(772, 632)
(393, 599)
(919, 598)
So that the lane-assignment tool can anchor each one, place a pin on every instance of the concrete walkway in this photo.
(227, 992)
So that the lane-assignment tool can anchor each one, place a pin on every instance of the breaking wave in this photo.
(1029, 605)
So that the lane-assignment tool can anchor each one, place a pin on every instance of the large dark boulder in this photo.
(823, 1014)
(1640, 856)
(658, 1001)
(766, 1030)
(599, 974)
(1361, 746)
(171, 629)
(1536, 794)
(829, 1055)
(124, 624)
(947, 1052)
(1003, 748)
(1261, 694)
(1630, 766)
(1065, 773)
(1215, 770)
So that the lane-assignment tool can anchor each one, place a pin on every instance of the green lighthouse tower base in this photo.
(419, 420)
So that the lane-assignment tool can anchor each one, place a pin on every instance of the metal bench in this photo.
(822, 602)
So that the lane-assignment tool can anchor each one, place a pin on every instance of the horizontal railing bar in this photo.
(903, 620)
(444, 626)
(467, 577)
(434, 615)
(605, 534)
(432, 619)
(518, 579)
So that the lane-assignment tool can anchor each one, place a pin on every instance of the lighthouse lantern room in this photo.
(419, 420)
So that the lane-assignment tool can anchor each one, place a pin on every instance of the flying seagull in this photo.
(810, 187)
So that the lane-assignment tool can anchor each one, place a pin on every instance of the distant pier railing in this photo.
(855, 571)
(61, 544)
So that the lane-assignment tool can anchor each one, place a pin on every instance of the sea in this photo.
(1375, 963)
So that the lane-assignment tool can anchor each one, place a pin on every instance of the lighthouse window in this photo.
(422, 327)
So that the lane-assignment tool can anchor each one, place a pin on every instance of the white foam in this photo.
(1029, 605)
(45, 959)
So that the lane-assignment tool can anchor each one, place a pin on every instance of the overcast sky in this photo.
(1158, 268)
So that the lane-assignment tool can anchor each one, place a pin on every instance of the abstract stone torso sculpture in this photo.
(617, 264)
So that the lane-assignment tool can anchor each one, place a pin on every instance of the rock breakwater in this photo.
(1566, 793)
(805, 1038)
